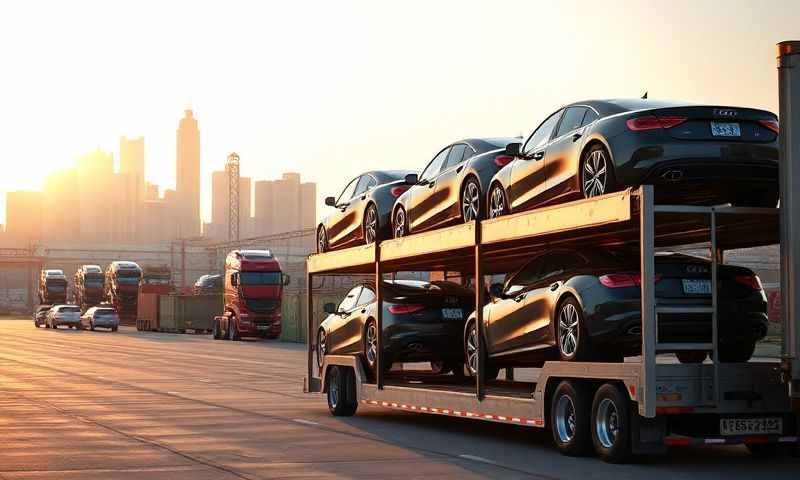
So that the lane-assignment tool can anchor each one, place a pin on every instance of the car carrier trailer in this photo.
(641, 406)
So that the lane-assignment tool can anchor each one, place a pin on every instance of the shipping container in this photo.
(178, 313)
(147, 312)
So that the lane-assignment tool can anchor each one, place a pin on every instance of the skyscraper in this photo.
(131, 169)
(23, 217)
(95, 195)
(284, 205)
(187, 176)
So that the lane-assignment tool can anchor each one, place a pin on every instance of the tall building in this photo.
(131, 166)
(217, 229)
(284, 205)
(151, 191)
(23, 217)
(61, 206)
(96, 196)
(187, 176)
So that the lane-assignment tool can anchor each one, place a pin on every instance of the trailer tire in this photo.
(233, 332)
(611, 424)
(569, 418)
(737, 352)
(215, 330)
(342, 401)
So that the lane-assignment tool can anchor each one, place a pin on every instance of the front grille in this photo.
(262, 305)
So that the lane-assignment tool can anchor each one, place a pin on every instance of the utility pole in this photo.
(232, 168)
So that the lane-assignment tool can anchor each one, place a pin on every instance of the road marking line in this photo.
(475, 458)
(305, 422)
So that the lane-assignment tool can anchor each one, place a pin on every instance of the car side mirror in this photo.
(514, 149)
(330, 201)
(412, 179)
(329, 308)
(285, 279)
(496, 290)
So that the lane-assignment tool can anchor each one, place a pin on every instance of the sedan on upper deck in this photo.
(362, 210)
(705, 155)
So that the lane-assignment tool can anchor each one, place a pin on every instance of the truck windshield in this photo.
(93, 281)
(56, 286)
(260, 278)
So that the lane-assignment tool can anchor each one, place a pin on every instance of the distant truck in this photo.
(88, 284)
(252, 289)
(156, 279)
(121, 289)
(52, 287)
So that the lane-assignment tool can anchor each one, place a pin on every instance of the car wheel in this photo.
(569, 418)
(342, 401)
(736, 352)
(114, 329)
(371, 345)
(610, 424)
(572, 338)
(233, 332)
(691, 356)
(498, 205)
(400, 223)
(371, 224)
(596, 175)
(91, 326)
(215, 330)
(322, 347)
(472, 352)
(322, 240)
(470, 200)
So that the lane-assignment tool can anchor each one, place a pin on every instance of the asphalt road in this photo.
(130, 405)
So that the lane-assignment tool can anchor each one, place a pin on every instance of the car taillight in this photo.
(503, 160)
(623, 280)
(750, 281)
(405, 309)
(651, 122)
(397, 191)
(771, 124)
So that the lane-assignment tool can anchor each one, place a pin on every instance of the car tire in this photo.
(572, 338)
(233, 332)
(498, 202)
(569, 418)
(321, 346)
(341, 394)
(371, 225)
(114, 329)
(691, 356)
(470, 201)
(593, 183)
(91, 326)
(400, 223)
(215, 332)
(472, 352)
(610, 424)
(322, 240)
(370, 347)
(736, 352)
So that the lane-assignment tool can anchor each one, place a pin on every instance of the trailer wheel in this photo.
(342, 400)
(569, 418)
(736, 352)
(233, 332)
(610, 424)
(215, 330)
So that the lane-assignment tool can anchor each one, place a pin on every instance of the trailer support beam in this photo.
(379, 368)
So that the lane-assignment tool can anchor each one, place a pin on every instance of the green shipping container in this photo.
(294, 306)
(178, 313)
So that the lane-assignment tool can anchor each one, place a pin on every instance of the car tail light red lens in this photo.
(397, 191)
(503, 160)
(771, 124)
(623, 280)
(651, 122)
(405, 309)
(750, 281)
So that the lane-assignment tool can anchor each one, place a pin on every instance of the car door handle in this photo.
(555, 286)
(576, 136)
(520, 297)
(538, 155)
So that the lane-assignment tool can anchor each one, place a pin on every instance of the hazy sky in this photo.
(333, 88)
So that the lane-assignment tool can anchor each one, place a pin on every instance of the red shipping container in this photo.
(147, 312)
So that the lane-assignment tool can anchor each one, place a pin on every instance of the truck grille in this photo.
(262, 305)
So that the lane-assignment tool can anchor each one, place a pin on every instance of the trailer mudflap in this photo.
(648, 434)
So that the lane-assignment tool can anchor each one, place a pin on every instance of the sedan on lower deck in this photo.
(69, 315)
(422, 322)
(585, 305)
(40, 315)
(100, 317)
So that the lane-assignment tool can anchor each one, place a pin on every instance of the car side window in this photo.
(468, 153)
(455, 156)
(367, 297)
(572, 119)
(364, 184)
(589, 117)
(541, 135)
(529, 274)
(557, 263)
(349, 301)
(348, 192)
(433, 168)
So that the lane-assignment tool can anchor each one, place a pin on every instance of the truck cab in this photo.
(52, 287)
(122, 288)
(253, 288)
(88, 281)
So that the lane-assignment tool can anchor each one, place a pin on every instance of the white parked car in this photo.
(69, 315)
(104, 317)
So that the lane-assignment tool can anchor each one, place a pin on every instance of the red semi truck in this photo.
(122, 289)
(88, 283)
(253, 288)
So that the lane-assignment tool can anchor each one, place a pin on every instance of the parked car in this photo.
(69, 315)
(363, 209)
(103, 316)
(422, 322)
(452, 186)
(40, 315)
(584, 304)
(208, 284)
(693, 154)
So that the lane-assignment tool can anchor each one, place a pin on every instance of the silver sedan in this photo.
(69, 315)
(102, 317)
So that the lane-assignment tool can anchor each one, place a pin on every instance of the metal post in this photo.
(480, 378)
(714, 299)
(649, 319)
(379, 316)
(311, 337)
(789, 138)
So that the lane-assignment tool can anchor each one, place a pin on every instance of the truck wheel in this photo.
(233, 332)
(736, 352)
(342, 400)
(215, 330)
(611, 426)
(569, 418)
(114, 329)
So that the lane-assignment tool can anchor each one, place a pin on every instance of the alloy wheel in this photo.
(595, 174)
(399, 223)
(568, 330)
(322, 241)
(321, 347)
(470, 201)
(372, 344)
(607, 423)
(333, 388)
(497, 204)
(371, 225)
(565, 419)
(472, 350)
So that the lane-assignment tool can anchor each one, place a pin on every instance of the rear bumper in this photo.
(66, 322)
(415, 342)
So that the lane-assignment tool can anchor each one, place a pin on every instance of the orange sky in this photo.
(331, 89)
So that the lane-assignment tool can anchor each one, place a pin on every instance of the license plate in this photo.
(749, 426)
(262, 327)
(452, 313)
(697, 287)
(725, 129)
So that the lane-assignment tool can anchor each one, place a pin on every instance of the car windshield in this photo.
(260, 278)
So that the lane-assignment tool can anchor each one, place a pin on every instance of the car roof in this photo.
(613, 106)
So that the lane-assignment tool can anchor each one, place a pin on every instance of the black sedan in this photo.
(692, 154)
(363, 209)
(452, 186)
(422, 322)
(585, 305)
